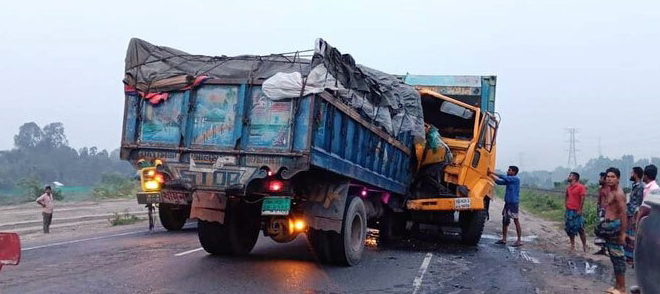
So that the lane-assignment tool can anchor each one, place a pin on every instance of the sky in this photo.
(590, 65)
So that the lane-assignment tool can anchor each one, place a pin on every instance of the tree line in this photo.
(589, 172)
(44, 155)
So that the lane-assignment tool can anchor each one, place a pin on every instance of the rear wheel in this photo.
(391, 227)
(348, 246)
(237, 236)
(320, 242)
(472, 225)
(173, 217)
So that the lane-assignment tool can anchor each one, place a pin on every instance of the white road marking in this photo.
(80, 240)
(588, 269)
(188, 252)
(527, 257)
(422, 270)
(530, 238)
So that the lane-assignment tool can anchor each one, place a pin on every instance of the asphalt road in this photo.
(136, 261)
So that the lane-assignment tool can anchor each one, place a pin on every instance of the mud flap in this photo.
(209, 206)
(326, 201)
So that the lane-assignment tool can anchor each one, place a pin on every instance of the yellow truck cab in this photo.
(452, 185)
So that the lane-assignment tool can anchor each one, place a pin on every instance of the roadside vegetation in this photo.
(550, 205)
(125, 218)
(42, 156)
(115, 186)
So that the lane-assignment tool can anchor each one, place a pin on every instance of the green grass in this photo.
(123, 219)
(550, 205)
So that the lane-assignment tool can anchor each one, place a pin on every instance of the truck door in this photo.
(483, 158)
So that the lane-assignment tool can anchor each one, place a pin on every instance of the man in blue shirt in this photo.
(512, 183)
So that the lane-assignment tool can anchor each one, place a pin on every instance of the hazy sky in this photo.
(592, 65)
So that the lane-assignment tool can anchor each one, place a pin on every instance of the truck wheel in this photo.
(391, 227)
(172, 217)
(237, 236)
(472, 225)
(320, 243)
(212, 237)
(349, 245)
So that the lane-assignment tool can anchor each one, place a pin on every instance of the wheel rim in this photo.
(356, 233)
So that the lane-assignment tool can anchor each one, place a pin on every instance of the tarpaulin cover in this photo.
(385, 100)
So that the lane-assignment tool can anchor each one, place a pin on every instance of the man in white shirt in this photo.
(651, 191)
(47, 203)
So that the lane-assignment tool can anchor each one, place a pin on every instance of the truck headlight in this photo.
(151, 185)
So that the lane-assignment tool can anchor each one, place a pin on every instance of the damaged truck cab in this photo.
(452, 185)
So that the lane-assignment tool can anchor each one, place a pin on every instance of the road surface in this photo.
(133, 260)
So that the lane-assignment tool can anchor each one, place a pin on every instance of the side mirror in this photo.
(10, 249)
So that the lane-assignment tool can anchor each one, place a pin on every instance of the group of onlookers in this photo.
(618, 217)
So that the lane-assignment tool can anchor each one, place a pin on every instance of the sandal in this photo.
(517, 244)
(613, 290)
(500, 242)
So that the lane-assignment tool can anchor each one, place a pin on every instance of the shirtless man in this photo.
(616, 222)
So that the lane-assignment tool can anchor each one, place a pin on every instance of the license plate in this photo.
(174, 197)
(276, 205)
(462, 203)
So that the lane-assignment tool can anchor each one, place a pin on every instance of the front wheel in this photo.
(173, 217)
(472, 225)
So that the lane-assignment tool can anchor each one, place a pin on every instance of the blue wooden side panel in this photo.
(270, 121)
(343, 146)
(301, 125)
(216, 115)
(163, 124)
(130, 123)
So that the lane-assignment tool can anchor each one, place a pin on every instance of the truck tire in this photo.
(391, 227)
(472, 225)
(212, 236)
(172, 217)
(237, 236)
(319, 241)
(347, 247)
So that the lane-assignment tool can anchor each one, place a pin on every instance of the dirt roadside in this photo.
(568, 271)
(70, 219)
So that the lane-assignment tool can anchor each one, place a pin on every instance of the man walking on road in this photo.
(634, 203)
(613, 229)
(511, 198)
(574, 222)
(47, 203)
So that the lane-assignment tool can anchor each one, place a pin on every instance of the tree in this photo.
(53, 135)
(29, 136)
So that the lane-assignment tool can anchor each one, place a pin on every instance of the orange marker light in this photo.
(300, 225)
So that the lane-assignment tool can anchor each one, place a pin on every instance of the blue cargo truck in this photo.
(282, 144)
(277, 143)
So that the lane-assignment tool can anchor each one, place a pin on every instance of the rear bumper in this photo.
(445, 204)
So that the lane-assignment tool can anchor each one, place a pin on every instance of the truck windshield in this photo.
(452, 120)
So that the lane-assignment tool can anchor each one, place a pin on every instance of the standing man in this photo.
(603, 191)
(636, 198)
(511, 198)
(650, 186)
(47, 203)
(574, 222)
(613, 229)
